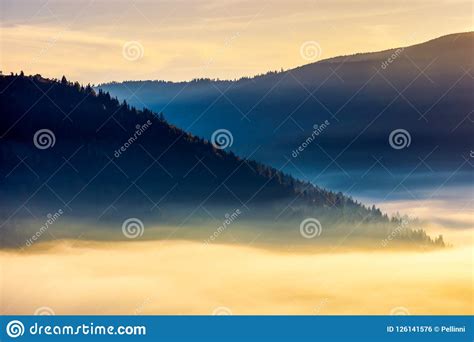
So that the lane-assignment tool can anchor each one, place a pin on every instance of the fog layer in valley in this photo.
(183, 277)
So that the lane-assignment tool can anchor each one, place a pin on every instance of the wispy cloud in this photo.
(179, 37)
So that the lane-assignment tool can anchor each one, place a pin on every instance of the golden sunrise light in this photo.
(181, 40)
(303, 166)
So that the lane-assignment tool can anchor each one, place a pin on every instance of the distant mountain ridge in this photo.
(90, 125)
(64, 146)
(425, 89)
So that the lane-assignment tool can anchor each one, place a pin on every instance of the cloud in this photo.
(190, 32)
(175, 277)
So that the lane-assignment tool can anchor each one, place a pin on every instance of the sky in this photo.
(95, 41)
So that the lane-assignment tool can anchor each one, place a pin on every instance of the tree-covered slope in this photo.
(64, 146)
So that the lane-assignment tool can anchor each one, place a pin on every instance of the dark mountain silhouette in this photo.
(101, 161)
(425, 89)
